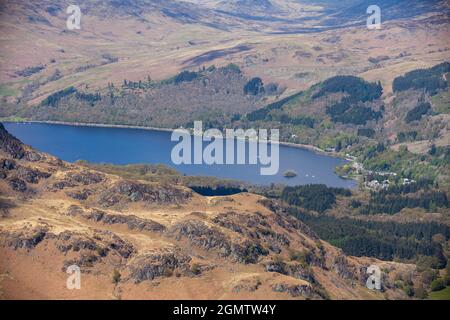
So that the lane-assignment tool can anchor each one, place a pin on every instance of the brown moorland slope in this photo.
(296, 44)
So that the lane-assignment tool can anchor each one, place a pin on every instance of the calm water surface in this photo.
(131, 146)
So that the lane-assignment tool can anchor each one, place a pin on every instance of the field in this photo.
(440, 295)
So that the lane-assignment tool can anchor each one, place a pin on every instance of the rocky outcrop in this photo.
(127, 191)
(295, 270)
(92, 249)
(18, 176)
(159, 263)
(343, 268)
(27, 238)
(17, 185)
(7, 164)
(103, 243)
(248, 252)
(253, 226)
(115, 244)
(287, 221)
(85, 178)
(295, 290)
(132, 222)
(10, 144)
(250, 285)
(202, 236)
(14, 148)
(31, 175)
(211, 238)
(80, 195)
(70, 241)
(60, 185)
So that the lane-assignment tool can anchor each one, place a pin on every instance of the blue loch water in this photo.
(132, 146)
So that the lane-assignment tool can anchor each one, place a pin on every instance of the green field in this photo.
(444, 294)
(6, 91)
(441, 102)
(12, 119)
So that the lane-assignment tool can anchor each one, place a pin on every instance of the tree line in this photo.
(317, 197)
(430, 80)
(382, 240)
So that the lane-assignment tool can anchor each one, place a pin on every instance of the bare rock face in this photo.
(89, 249)
(202, 236)
(211, 238)
(103, 243)
(159, 263)
(248, 252)
(132, 222)
(68, 240)
(295, 270)
(31, 175)
(253, 226)
(92, 250)
(287, 221)
(343, 268)
(26, 238)
(295, 290)
(18, 176)
(116, 244)
(80, 195)
(129, 191)
(14, 148)
(17, 185)
(85, 178)
(7, 164)
(60, 185)
(10, 144)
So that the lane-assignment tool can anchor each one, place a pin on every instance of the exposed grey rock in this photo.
(17, 184)
(294, 290)
(102, 243)
(60, 185)
(32, 156)
(31, 175)
(294, 270)
(275, 266)
(85, 260)
(80, 195)
(285, 220)
(85, 177)
(253, 226)
(8, 164)
(248, 252)
(69, 240)
(202, 236)
(132, 222)
(117, 244)
(26, 239)
(10, 144)
(157, 264)
(342, 267)
(210, 238)
(133, 192)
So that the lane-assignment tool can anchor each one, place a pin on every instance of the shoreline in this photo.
(120, 126)
(307, 147)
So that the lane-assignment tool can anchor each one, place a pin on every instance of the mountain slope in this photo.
(295, 44)
(134, 239)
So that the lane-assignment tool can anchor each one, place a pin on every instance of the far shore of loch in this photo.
(121, 126)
